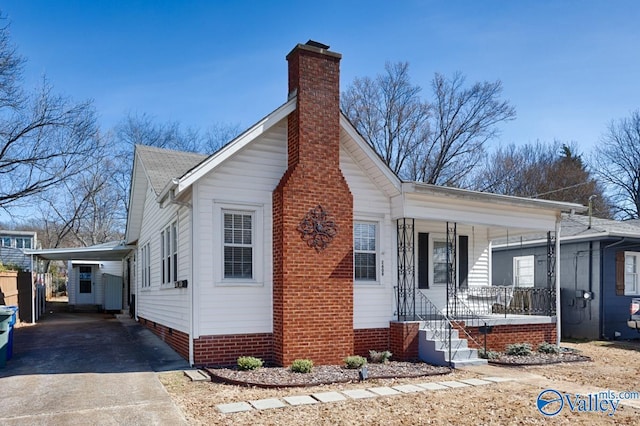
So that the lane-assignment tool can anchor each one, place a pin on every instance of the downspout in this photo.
(590, 275)
(191, 289)
(557, 272)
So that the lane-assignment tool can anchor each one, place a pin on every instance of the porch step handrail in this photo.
(439, 323)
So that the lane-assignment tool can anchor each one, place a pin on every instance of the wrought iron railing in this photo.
(506, 300)
(441, 326)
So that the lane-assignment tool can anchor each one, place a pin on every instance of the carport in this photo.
(97, 276)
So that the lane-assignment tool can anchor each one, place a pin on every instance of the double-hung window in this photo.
(169, 253)
(631, 270)
(145, 258)
(523, 271)
(365, 251)
(238, 244)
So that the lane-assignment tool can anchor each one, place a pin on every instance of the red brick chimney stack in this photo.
(312, 220)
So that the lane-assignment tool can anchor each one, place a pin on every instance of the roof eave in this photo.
(236, 145)
(424, 188)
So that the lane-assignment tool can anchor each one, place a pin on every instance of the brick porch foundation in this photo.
(503, 335)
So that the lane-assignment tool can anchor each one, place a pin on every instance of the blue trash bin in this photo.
(5, 318)
(12, 323)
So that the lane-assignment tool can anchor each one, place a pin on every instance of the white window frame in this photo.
(145, 263)
(257, 240)
(516, 271)
(632, 287)
(169, 255)
(376, 252)
(433, 238)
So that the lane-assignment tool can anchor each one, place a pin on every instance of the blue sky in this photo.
(569, 67)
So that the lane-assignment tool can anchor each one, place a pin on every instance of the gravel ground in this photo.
(614, 366)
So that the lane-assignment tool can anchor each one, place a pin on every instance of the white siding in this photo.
(72, 280)
(372, 303)
(478, 256)
(165, 305)
(245, 181)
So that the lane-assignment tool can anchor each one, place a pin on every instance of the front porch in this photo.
(445, 298)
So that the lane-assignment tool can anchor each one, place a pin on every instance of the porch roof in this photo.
(500, 213)
(100, 252)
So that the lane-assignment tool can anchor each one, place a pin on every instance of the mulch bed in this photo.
(279, 377)
(538, 359)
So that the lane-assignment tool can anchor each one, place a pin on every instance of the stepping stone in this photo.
(329, 396)
(408, 388)
(498, 379)
(476, 382)
(265, 404)
(358, 393)
(300, 400)
(453, 384)
(432, 386)
(383, 391)
(234, 407)
(197, 375)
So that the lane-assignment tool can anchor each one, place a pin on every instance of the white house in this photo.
(295, 240)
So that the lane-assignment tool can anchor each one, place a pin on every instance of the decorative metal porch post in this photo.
(406, 290)
(452, 251)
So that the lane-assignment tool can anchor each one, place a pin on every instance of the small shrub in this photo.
(519, 349)
(302, 366)
(488, 354)
(548, 348)
(379, 357)
(355, 361)
(249, 363)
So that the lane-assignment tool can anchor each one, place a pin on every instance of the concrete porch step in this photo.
(433, 348)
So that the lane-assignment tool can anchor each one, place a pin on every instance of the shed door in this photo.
(85, 295)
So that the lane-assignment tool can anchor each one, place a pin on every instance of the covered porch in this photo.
(444, 271)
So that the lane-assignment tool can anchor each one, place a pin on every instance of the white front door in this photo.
(85, 287)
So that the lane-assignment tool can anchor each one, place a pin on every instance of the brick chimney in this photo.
(312, 220)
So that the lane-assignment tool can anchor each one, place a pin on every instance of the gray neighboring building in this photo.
(12, 247)
(599, 273)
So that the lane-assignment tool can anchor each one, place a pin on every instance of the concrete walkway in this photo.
(364, 393)
(78, 369)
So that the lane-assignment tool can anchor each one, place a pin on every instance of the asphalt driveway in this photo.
(78, 369)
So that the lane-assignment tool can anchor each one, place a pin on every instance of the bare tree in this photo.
(85, 210)
(617, 160)
(552, 171)
(45, 138)
(438, 142)
(464, 120)
(389, 113)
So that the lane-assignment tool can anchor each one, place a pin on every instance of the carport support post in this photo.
(557, 277)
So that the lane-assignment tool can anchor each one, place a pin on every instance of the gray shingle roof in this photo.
(162, 165)
(577, 226)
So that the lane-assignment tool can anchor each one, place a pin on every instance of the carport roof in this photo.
(108, 251)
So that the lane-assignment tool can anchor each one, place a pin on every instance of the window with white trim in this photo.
(631, 269)
(169, 253)
(145, 260)
(523, 271)
(365, 251)
(238, 244)
(441, 251)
